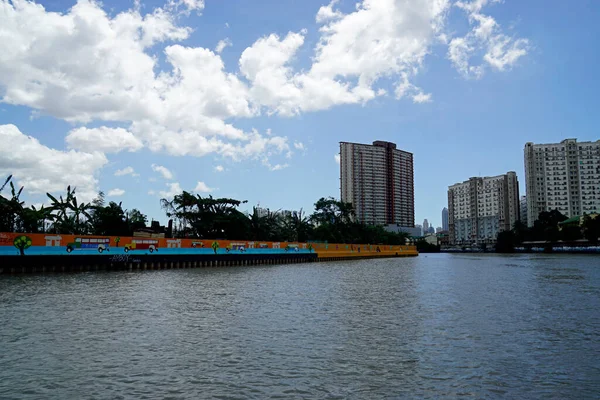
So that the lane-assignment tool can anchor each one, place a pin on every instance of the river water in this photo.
(436, 326)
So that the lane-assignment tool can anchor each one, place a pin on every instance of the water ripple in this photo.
(442, 326)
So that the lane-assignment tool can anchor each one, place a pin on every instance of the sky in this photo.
(250, 99)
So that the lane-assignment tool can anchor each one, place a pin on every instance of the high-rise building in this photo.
(444, 219)
(480, 208)
(378, 180)
(425, 226)
(562, 176)
(420, 230)
(523, 210)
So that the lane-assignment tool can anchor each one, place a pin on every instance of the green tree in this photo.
(11, 209)
(546, 226)
(591, 228)
(22, 243)
(505, 242)
(68, 215)
(136, 220)
(207, 217)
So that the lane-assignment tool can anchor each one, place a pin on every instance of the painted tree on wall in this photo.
(22, 243)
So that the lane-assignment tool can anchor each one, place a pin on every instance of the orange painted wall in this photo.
(323, 250)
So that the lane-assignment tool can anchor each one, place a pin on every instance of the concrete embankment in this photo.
(14, 264)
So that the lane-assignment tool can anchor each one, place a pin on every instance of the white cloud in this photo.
(163, 171)
(202, 187)
(41, 169)
(222, 45)
(336, 157)
(422, 98)
(126, 171)
(186, 6)
(219, 168)
(116, 192)
(299, 145)
(174, 189)
(107, 140)
(86, 65)
(327, 13)
(499, 51)
(278, 167)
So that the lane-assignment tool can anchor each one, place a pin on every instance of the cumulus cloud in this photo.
(116, 192)
(336, 158)
(327, 13)
(299, 146)
(222, 45)
(42, 169)
(164, 171)
(219, 168)
(107, 140)
(174, 189)
(500, 52)
(422, 97)
(132, 69)
(202, 187)
(126, 171)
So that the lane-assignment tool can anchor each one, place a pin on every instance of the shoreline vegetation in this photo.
(191, 216)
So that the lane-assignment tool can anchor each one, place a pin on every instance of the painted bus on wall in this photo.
(142, 244)
(87, 243)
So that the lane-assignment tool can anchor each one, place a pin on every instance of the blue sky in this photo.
(396, 79)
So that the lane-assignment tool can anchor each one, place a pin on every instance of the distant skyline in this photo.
(142, 99)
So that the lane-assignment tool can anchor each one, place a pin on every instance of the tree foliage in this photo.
(195, 216)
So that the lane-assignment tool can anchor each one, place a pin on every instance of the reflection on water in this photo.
(448, 325)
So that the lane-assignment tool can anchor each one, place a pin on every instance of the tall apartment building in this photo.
(445, 219)
(378, 180)
(480, 208)
(523, 210)
(562, 176)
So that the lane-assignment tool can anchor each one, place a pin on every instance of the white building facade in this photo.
(480, 208)
(378, 180)
(562, 176)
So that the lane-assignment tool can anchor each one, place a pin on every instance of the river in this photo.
(440, 325)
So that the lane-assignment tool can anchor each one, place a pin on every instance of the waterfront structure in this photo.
(378, 180)
(445, 219)
(523, 209)
(480, 208)
(30, 252)
(562, 176)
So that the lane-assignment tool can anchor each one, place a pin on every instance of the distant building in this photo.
(480, 208)
(445, 219)
(378, 180)
(438, 229)
(431, 229)
(562, 176)
(412, 232)
(425, 226)
(420, 228)
(523, 210)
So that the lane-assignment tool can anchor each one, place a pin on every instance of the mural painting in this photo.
(51, 244)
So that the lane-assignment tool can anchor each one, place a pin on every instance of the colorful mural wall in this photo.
(53, 244)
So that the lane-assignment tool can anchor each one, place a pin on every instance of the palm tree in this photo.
(69, 215)
(11, 210)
